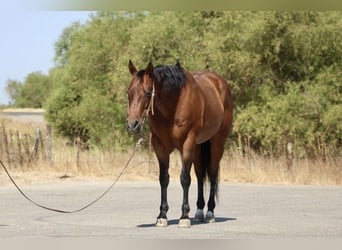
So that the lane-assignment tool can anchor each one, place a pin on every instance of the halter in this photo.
(150, 107)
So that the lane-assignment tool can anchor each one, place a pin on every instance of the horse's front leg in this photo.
(163, 156)
(164, 183)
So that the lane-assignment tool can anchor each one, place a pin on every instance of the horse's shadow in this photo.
(193, 223)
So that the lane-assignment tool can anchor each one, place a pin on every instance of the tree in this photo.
(284, 69)
(32, 93)
(89, 100)
(62, 45)
(13, 89)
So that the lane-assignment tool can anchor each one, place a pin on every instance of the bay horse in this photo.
(188, 111)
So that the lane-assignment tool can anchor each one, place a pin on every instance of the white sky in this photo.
(27, 41)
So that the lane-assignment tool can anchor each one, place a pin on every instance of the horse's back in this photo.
(207, 80)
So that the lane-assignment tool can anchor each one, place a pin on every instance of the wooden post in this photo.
(289, 156)
(249, 150)
(49, 143)
(78, 149)
(5, 143)
(11, 148)
(42, 146)
(1, 143)
(27, 148)
(19, 149)
(36, 144)
(240, 147)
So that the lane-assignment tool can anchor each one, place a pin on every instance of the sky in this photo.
(27, 41)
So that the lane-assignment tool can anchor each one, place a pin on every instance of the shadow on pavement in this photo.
(193, 223)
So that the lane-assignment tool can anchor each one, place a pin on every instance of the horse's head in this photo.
(140, 98)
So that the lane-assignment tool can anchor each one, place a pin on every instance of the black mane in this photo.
(171, 77)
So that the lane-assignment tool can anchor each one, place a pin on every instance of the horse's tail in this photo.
(206, 158)
(208, 173)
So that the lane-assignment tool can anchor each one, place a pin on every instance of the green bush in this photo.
(284, 69)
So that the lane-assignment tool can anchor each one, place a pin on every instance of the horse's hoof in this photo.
(184, 223)
(199, 215)
(210, 217)
(162, 222)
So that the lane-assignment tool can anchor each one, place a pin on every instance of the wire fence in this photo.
(20, 149)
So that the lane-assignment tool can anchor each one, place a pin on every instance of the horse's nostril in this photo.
(135, 125)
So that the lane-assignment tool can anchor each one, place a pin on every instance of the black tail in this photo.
(206, 159)
(208, 172)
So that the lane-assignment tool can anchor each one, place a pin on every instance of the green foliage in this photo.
(13, 89)
(284, 69)
(301, 93)
(87, 104)
(32, 93)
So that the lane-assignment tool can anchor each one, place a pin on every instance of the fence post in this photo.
(5, 143)
(27, 148)
(49, 143)
(36, 144)
(289, 156)
(42, 146)
(78, 149)
(1, 143)
(19, 149)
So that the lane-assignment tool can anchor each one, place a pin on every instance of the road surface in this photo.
(24, 115)
(129, 210)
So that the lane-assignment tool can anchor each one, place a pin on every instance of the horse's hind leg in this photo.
(217, 148)
(185, 180)
(201, 161)
(188, 153)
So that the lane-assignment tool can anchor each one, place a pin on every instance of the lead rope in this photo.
(137, 145)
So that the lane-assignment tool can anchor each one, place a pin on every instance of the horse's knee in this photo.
(164, 180)
(185, 178)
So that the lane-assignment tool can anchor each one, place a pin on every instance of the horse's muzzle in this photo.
(134, 127)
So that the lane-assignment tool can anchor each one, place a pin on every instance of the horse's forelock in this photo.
(141, 73)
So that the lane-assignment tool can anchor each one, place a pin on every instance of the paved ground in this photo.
(34, 115)
(129, 211)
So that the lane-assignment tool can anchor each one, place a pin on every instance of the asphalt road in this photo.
(129, 210)
(24, 116)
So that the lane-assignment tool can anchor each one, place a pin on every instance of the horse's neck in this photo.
(166, 102)
(165, 106)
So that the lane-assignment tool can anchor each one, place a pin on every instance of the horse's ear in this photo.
(149, 69)
(178, 64)
(131, 67)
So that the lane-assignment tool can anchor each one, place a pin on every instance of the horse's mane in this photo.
(172, 77)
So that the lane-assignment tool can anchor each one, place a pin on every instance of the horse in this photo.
(188, 111)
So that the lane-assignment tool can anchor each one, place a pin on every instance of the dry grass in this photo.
(69, 163)
(258, 169)
(107, 165)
